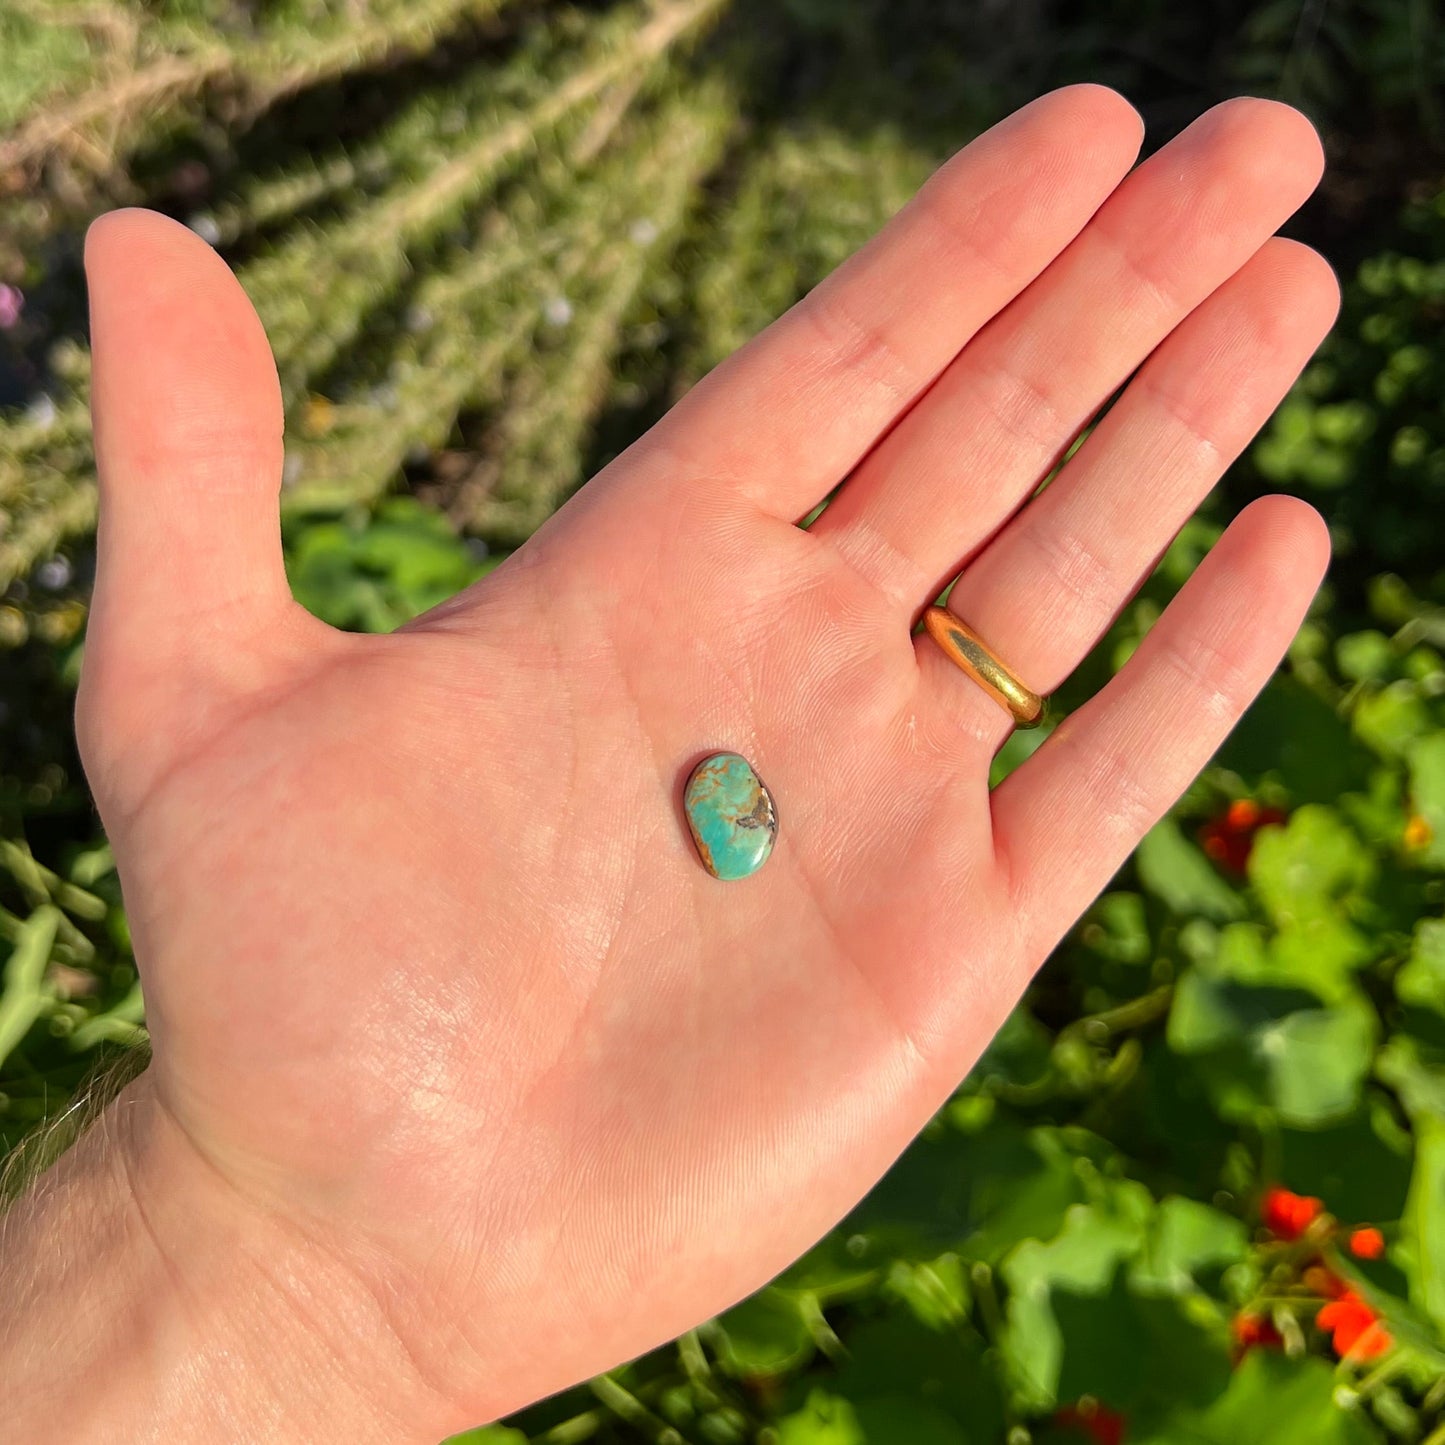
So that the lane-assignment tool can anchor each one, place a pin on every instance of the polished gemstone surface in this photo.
(731, 815)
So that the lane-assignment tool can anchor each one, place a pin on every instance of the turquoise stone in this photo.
(731, 815)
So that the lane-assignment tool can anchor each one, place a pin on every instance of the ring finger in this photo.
(1044, 590)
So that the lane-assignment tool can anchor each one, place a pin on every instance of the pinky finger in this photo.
(1068, 817)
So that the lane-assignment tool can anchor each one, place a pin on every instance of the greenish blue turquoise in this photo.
(731, 815)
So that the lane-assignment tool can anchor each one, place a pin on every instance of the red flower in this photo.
(1355, 1326)
(1098, 1422)
(1252, 1331)
(1287, 1215)
(1367, 1243)
(1229, 837)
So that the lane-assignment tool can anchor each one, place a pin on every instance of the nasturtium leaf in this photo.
(1390, 720)
(1081, 1259)
(1318, 1060)
(1309, 868)
(1321, 954)
(1269, 1397)
(901, 1375)
(1279, 1049)
(1106, 1336)
(1176, 872)
(1421, 981)
(1295, 736)
(1318, 956)
(977, 1193)
(1427, 790)
(1365, 656)
(1424, 1219)
(924, 1203)
(767, 1334)
(902, 1420)
(1360, 1167)
(1210, 1010)
(1185, 1239)
(1415, 1070)
(826, 1419)
(1031, 1201)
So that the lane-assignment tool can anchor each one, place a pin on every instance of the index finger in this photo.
(787, 416)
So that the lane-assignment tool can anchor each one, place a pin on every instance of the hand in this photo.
(445, 1010)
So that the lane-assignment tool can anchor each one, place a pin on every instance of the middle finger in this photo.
(1008, 407)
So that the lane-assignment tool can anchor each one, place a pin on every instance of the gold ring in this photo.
(965, 647)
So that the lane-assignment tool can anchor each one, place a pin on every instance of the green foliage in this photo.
(490, 242)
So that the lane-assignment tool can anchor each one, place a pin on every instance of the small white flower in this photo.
(557, 310)
(41, 411)
(291, 469)
(206, 228)
(54, 574)
(644, 232)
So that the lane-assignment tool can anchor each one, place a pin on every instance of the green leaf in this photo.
(1106, 1337)
(767, 1334)
(488, 1435)
(909, 1383)
(1292, 735)
(1365, 656)
(1274, 1048)
(1391, 720)
(1360, 1165)
(1081, 1259)
(1269, 1397)
(1305, 871)
(977, 1193)
(1180, 876)
(1424, 1219)
(1421, 981)
(1318, 1060)
(903, 1420)
(1427, 789)
(1185, 1239)
(1416, 1071)
(897, 1419)
(825, 1420)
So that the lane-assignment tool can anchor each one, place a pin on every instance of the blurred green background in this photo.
(492, 240)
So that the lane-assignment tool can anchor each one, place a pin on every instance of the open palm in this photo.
(441, 996)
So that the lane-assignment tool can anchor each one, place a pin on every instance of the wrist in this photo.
(145, 1299)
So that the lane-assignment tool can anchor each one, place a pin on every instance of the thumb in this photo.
(190, 594)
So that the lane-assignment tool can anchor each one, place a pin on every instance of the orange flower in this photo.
(1367, 1243)
(1101, 1424)
(1418, 833)
(1355, 1326)
(1288, 1215)
(1251, 1331)
(1229, 837)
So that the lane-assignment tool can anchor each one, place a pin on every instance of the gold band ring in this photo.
(965, 647)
